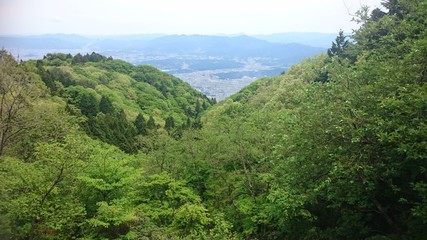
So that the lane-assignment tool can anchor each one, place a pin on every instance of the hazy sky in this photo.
(177, 16)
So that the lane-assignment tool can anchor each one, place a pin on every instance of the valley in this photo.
(218, 66)
(216, 76)
(97, 143)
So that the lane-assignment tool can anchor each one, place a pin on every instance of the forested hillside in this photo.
(68, 124)
(119, 101)
(335, 148)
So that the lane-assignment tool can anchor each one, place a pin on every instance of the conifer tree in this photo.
(140, 124)
(339, 46)
(170, 123)
(105, 105)
(151, 124)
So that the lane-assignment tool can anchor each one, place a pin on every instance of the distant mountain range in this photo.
(240, 46)
(323, 40)
(271, 45)
(73, 41)
(209, 63)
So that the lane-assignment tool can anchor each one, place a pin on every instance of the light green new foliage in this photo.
(41, 196)
(18, 88)
(170, 207)
(76, 188)
(335, 148)
(107, 186)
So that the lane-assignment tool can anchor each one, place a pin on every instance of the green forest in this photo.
(93, 147)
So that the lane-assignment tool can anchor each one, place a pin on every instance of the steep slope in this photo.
(110, 93)
(333, 149)
(57, 182)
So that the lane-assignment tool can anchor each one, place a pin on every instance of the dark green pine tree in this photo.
(88, 104)
(198, 108)
(46, 77)
(377, 14)
(140, 124)
(394, 7)
(105, 105)
(205, 105)
(124, 132)
(150, 123)
(78, 58)
(170, 123)
(339, 46)
(187, 124)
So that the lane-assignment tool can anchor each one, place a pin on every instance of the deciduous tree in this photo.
(17, 91)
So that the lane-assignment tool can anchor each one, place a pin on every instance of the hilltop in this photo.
(216, 65)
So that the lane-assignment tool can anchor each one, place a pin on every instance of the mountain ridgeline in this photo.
(335, 148)
(119, 101)
(218, 66)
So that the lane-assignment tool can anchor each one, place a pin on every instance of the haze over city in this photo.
(113, 17)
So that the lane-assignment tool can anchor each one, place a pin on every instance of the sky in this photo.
(211, 17)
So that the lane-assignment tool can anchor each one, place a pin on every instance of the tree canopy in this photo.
(335, 148)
